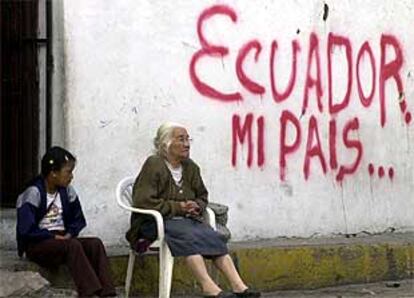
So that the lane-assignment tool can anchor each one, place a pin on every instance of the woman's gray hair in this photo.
(163, 139)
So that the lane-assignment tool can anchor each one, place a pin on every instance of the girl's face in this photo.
(64, 176)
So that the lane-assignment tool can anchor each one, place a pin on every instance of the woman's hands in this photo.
(63, 237)
(190, 207)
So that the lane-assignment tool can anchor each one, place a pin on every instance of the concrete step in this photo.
(268, 265)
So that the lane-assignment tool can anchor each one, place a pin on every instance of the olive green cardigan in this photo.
(155, 188)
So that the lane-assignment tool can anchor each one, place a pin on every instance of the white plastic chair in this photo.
(166, 260)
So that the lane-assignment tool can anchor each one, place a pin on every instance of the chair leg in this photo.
(166, 270)
(130, 270)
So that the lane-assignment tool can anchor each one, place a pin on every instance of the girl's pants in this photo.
(86, 259)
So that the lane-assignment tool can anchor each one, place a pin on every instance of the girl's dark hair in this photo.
(54, 159)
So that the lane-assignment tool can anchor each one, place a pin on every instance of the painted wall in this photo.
(301, 111)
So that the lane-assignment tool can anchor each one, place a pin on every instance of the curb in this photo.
(269, 265)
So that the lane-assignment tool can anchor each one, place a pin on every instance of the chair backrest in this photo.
(124, 192)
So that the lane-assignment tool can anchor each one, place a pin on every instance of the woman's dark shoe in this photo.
(109, 292)
(248, 293)
(221, 295)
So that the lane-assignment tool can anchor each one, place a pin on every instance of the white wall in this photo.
(127, 71)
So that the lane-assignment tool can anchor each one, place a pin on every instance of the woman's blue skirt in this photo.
(186, 237)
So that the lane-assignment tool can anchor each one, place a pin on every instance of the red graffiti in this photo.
(260, 141)
(208, 49)
(333, 161)
(336, 40)
(244, 80)
(313, 150)
(311, 82)
(285, 149)
(371, 169)
(391, 173)
(408, 118)
(291, 126)
(389, 70)
(403, 105)
(243, 131)
(349, 143)
(239, 135)
(381, 171)
(366, 100)
(280, 96)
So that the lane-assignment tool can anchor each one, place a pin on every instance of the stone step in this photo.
(267, 265)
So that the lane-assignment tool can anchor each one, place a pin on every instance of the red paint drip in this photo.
(408, 118)
(371, 169)
(403, 105)
(381, 172)
(391, 173)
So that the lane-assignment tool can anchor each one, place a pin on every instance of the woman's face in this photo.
(180, 145)
(64, 176)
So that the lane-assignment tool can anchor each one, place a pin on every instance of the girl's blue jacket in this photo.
(31, 208)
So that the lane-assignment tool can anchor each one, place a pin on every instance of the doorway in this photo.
(23, 93)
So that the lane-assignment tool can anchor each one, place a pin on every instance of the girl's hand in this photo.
(67, 236)
(63, 237)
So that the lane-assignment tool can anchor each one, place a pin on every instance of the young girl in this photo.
(49, 219)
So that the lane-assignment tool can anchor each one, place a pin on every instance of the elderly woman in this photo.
(170, 182)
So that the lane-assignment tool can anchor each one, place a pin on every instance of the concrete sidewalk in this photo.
(391, 289)
(385, 289)
(270, 265)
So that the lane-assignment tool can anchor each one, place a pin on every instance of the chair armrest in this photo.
(211, 217)
(154, 213)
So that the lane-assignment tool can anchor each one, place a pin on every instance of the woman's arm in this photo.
(200, 190)
(147, 189)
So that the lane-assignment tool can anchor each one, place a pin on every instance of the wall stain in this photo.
(325, 12)
(287, 189)
(392, 264)
(134, 110)
(104, 123)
